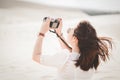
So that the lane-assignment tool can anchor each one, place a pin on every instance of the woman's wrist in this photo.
(61, 34)
(41, 34)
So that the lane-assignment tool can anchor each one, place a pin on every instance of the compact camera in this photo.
(54, 23)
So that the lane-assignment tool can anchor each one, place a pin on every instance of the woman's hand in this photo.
(45, 26)
(59, 29)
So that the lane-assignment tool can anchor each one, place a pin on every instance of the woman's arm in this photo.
(63, 44)
(58, 31)
(38, 45)
(37, 49)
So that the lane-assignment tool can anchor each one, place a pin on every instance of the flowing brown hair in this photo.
(92, 48)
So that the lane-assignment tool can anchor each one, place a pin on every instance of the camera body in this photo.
(54, 23)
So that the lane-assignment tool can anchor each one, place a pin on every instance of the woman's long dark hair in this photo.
(92, 48)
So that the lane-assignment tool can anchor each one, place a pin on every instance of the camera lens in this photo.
(56, 20)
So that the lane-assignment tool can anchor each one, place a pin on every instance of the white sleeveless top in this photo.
(64, 61)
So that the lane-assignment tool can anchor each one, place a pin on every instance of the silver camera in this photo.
(54, 23)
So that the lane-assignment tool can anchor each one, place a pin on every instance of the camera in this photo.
(54, 23)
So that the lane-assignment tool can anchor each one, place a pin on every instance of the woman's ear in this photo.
(75, 39)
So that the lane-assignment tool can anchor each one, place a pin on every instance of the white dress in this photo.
(64, 61)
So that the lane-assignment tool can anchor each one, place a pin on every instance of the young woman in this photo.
(81, 60)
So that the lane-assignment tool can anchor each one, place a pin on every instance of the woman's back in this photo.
(64, 61)
(73, 73)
